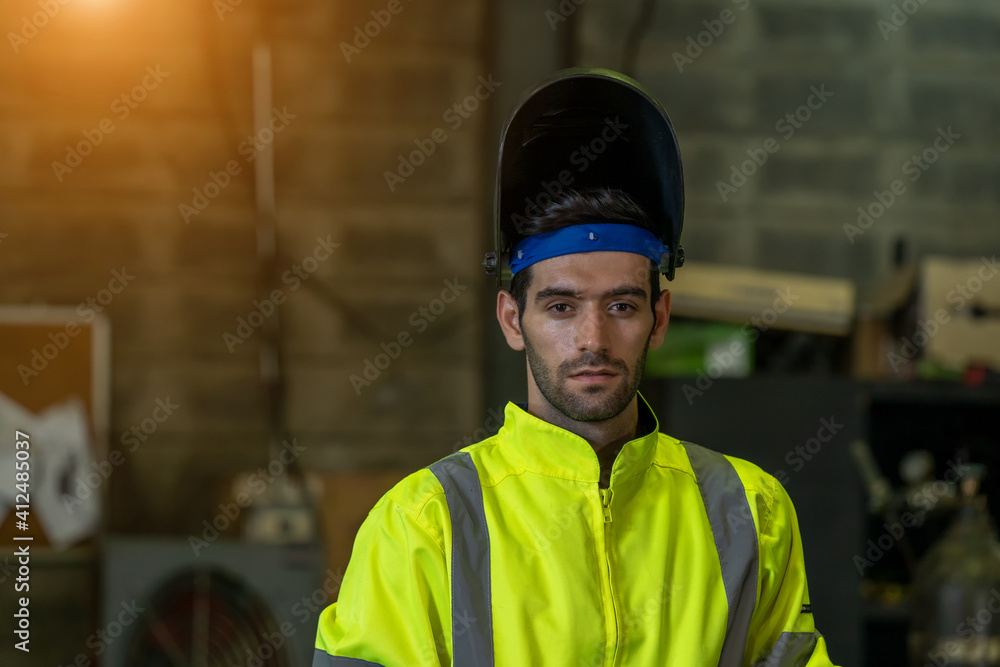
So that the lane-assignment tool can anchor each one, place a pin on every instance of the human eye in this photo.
(623, 307)
(560, 308)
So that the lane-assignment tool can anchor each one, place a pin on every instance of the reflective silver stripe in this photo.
(735, 539)
(471, 601)
(323, 659)
(792, 649)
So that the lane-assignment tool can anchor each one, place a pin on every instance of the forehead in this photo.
(592, 270)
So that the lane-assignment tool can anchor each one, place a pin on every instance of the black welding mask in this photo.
(587, 128)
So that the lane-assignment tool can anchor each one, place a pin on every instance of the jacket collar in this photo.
(547, 449)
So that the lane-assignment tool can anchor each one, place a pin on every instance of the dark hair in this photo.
(577, 207)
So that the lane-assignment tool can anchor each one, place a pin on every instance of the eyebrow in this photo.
(627, 290)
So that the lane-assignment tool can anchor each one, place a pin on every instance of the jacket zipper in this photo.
(606, 495)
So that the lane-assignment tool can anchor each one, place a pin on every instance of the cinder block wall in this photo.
(344, 125)
(897, 71)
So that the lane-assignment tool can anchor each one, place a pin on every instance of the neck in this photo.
(610, 433)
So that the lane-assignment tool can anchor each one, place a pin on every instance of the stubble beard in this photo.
(596, 403)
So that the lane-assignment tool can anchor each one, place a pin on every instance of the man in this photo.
(579, 535)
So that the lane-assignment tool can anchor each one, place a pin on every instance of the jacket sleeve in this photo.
(782, 629)
(393, 604)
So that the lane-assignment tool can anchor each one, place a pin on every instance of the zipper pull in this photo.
(606, 503)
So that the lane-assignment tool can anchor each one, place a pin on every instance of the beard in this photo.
(593, 403)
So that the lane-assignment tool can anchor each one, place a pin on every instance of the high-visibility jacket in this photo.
(509, 553)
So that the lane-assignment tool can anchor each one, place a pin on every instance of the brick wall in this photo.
(345, 125)
(898, 72)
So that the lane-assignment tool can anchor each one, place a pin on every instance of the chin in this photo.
(595, 403)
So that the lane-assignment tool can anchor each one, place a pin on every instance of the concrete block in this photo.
(969, 106)
(351, 163)
(398, 403)
(431, 24)
(212, 396)
(817, 172)
(314, 81)
(818, 251)
(702, 100)
(182, 318)
(788, 107)
(955, 31)
(721, 242)
(818, 27)
(704, 164)
(974, 182)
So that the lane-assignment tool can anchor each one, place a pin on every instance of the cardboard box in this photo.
(932, 319)
(961, 296)
(763, 299)
(875, 332)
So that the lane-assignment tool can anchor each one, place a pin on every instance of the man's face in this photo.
(586, 328)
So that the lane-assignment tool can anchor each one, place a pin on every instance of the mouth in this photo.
(593, 375)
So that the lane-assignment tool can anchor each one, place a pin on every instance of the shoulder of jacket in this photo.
(670, 453)
(762, 489)
(412, 492)
(418, 500)
(415, 493)
(756, 481)
(754, 477)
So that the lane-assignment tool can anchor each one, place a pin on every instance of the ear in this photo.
(662, 310)
(509, 320)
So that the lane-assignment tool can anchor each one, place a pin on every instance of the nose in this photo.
(592, 331)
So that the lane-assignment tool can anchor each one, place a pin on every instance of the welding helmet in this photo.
(587, 128)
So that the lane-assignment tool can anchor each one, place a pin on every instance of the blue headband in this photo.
(594, 237)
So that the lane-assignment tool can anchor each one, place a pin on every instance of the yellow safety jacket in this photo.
(509, 554)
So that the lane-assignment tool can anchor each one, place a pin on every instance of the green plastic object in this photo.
(693, 347)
